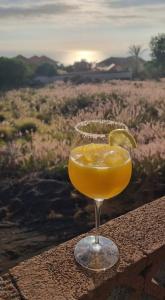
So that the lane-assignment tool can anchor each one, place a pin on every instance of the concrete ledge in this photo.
(54, 275)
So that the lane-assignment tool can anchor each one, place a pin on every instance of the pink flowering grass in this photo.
(57, 108)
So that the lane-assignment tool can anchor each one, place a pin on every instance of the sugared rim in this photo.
(97, 135)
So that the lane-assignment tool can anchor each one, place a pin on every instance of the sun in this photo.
(92, 56)
(85, 54)
(88, 55)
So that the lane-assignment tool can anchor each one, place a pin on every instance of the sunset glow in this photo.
(88, 55)
(69, 31)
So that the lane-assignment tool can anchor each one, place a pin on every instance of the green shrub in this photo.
(6, 133)
(26, 126)
(46, 118)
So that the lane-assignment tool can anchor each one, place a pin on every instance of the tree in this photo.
(136, 51)
(13, 72)
(82, 65)
(152, 71)
(157, 45)
(46, 69)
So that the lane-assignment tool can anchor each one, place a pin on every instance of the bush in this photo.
(46, 69)
(73, 105)
(6, 133)
(152, 71)
(2, 118)
(46, 118)
(13, 73)
(157, 45)
(26, 126)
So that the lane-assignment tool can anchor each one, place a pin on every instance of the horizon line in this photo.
(66, 64)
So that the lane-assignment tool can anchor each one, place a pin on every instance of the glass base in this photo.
(96, 257)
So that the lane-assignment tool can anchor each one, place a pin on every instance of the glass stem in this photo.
(98, 204)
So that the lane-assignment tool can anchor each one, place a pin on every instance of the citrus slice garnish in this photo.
(122, 137)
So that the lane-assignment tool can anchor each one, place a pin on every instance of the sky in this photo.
(71, 30)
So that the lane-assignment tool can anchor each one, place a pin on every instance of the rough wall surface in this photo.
(54, 275)
(7, 289)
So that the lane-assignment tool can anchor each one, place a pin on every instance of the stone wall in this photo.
(54, 275)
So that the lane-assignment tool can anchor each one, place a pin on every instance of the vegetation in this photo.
(157, 45)
(26, 126)
(46, 69)
(20, 71)
(13, 73)
(16, 72)
(136, 51)
(30, 143)
(79, 66)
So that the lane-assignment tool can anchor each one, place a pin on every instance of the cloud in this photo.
(36, 10)
(80, 13)
(136, 12)
(124, 17)
(132, 3)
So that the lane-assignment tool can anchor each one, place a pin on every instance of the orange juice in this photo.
(100, 171)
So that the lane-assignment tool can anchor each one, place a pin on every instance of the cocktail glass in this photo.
(99, 171)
